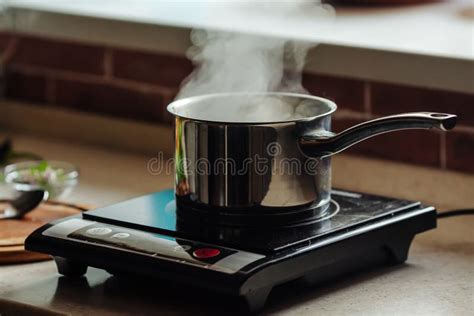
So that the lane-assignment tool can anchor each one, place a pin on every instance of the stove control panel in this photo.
(159, 246)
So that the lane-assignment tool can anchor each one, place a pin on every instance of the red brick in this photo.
(347, 93)
(388, 98)
(59, 55)
(31, 88)
(460, 150)
(419, 147)
(5, 39)
(167, 99)
(110, 100)
(165, 70)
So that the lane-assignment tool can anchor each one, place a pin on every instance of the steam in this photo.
(239, 62)
(231, 62)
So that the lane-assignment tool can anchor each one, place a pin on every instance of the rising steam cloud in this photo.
(237, 62)
(231, 62)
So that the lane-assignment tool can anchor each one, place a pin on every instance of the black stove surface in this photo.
(157, 213)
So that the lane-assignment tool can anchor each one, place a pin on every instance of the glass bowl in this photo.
(58, 178)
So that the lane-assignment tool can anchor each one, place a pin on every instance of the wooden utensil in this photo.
(13, 232)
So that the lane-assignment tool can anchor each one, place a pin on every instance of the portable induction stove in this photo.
(144, 236)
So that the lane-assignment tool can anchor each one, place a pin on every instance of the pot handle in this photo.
(322, 143)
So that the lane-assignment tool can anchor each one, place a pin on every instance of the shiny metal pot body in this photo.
(231, 161)
(243, 166)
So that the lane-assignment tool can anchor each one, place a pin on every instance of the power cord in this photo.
(466, 211)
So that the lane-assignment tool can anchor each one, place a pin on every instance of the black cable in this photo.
(466, 211)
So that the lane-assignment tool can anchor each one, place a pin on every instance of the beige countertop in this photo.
(445, 27)
(438, 277)
(409, 44)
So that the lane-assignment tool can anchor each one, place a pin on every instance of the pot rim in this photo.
(171, 108)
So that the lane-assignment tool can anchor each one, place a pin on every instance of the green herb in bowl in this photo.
(56, 177)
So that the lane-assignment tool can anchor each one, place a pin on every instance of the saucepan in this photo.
(247, 154)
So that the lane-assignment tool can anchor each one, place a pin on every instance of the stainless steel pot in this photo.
(254, 154)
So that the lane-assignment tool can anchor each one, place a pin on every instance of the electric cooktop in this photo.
(144, 237)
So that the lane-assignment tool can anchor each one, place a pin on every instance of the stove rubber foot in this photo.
(398, 249)
(70, 268)
(256, 300)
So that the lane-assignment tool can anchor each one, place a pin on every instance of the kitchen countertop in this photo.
(410, 44)
(438, 277)
(439, 29)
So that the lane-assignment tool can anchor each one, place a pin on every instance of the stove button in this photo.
(121, 235)
(98, 231)
(182, 248)
(205, 253)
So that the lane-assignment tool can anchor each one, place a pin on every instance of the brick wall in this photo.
(138, 85)
(104, 80)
